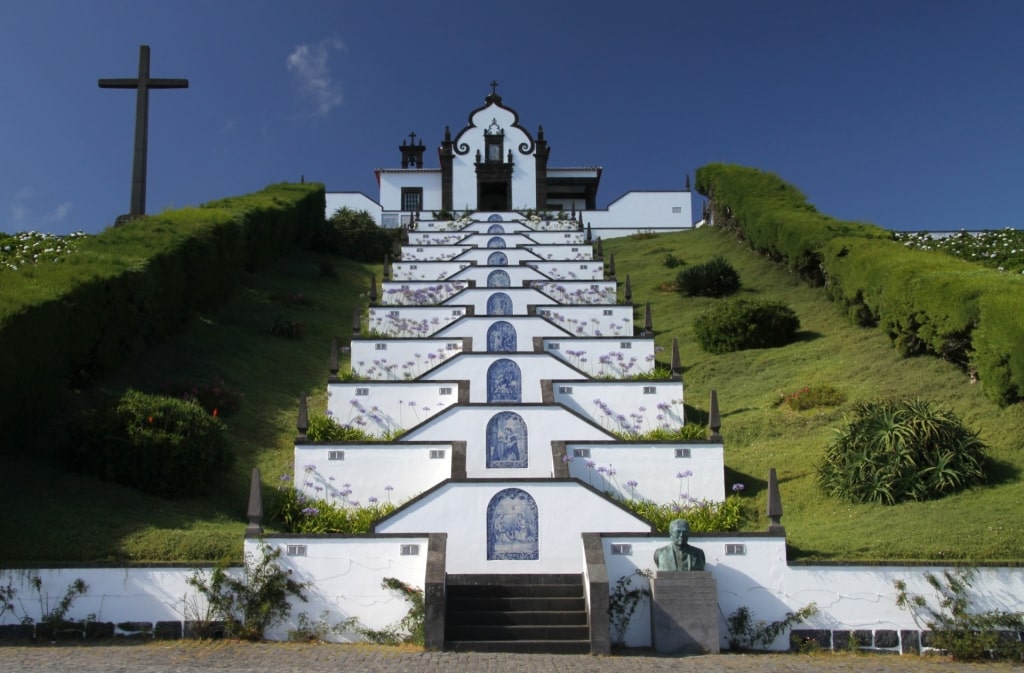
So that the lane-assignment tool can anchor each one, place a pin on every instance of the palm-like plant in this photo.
(897, 450)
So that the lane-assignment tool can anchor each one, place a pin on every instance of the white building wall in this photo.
(434, 271)
(384, 408)
(570, 270)
(626, 407)
(392, 181)
(576, 292)
(477, 297)
(544, 425)
(633, 212)
(460, 509)
(564, 252)
(600, 321)
(412, 321)
(519, 276)
(419, 292)
(515, 256)
(605, 356)
(474, 367)
(527, 328)
(344, 578)
(664, 472)
(426, 252)
(389, 359)
(392, 472)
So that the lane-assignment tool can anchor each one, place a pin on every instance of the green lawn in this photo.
(54, 517)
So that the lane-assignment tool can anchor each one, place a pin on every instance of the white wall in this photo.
(425, 270)
(591, 321)
(473, 367)
(562, 270)
(629, 407)
(460, 509)
(606, 356)
(518, 275)
(641, 211)
(380, 408)
(431, 252)
(663, 474)
(576, 292)
(344, 577)
(392, 472)
(418, 292)
(399, 359)
(412, 321)
(392, 181)
(527, 327)
(558, 237)
(477, 298)
(566, 251)
(514, 256)
(544, 425)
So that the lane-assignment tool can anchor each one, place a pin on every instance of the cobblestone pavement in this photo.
(233, 657)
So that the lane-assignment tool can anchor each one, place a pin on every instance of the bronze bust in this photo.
(679, 555)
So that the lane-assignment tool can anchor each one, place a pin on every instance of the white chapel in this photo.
(495, 164)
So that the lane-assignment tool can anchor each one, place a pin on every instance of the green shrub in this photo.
(746, 323)
(704, 516)
(898, 450)
(354, 234)
(250, 604)
(334, 514)
(714, 278)
(810, 398)
(671, 261)
(159, 444)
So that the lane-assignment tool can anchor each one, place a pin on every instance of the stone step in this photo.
(515, 591)
(524, 646)
(515, 604)
(519, 618)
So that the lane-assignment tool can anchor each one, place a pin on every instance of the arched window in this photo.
(498, 278)
(499, 303)
(504, 381)
(501, 338)
(512, 529)
(507, 441)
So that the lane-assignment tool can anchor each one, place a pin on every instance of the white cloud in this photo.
(24, 193)
(59, 213)
(308, 64)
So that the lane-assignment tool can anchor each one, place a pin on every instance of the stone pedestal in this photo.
(684, 612)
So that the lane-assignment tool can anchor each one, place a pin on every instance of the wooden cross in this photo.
(143, 83)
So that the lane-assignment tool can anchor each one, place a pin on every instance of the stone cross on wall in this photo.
(142, 84)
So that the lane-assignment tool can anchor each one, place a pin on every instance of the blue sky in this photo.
(908, 114)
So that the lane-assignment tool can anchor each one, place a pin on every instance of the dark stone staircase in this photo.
(516, 613)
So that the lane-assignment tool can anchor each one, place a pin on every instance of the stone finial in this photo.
(714, 418)
(676, 366)
(573, 212)
(600, 248)
(302, 423)
(628, 294)
(387, 266)
(590, 234)
(687, 182)
(373, 288)
(357, 325)
(648, 321)
(447, 134)
(332, 360)
(255, 510)
(611, 265)
(774, 510)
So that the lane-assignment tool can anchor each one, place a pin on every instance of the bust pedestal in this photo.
(684, 612)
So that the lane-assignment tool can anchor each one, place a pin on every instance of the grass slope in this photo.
(52, 517)
(980, 524)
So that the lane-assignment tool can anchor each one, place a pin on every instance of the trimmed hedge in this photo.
(714, 278)
(63, 325)
(774, 217)
(926, 302)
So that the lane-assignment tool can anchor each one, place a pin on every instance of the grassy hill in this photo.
(51, 516)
